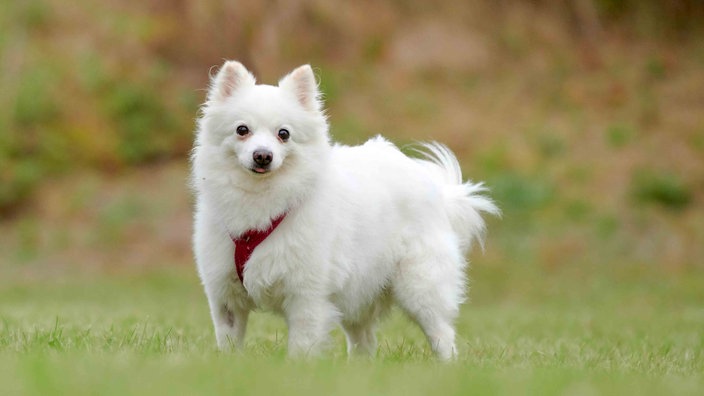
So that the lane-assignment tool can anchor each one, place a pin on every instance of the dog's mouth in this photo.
(260, 170)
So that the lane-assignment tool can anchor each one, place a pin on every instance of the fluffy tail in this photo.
(464, 201)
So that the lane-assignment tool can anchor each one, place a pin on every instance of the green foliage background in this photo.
(111, 85)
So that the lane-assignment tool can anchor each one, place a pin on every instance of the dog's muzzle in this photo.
(262, 160)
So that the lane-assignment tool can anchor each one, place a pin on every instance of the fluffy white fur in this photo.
(366, 225)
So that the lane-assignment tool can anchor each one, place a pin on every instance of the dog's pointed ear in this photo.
(231, 77)
(301, 82)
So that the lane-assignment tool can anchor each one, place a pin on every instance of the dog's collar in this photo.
(248, 241)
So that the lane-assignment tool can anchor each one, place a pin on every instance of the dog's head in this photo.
(261, 129)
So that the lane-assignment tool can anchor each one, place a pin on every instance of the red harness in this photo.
(248, 241)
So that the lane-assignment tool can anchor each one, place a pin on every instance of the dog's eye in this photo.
(284, 134)
(242, 130)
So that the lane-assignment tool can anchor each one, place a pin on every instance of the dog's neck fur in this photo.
(243, 202)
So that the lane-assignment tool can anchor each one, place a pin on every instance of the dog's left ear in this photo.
(301, 82)
(231, 77)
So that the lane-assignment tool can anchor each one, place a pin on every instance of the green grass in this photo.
(151, 334)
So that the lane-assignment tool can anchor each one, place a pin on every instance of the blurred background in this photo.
(584, 117)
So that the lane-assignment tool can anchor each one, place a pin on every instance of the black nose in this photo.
(263, 157)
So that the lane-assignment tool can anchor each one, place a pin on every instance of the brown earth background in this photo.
(585, 118)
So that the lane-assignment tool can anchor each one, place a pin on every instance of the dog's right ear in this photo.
(301, 82)
(231, 77)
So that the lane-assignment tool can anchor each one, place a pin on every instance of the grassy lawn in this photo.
(150, 334)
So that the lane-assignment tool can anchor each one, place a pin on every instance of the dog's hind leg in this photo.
(361, 338)
(361, 331)
(429, 287)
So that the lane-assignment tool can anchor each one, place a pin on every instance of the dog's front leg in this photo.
(309, 319)
(228, 309)
(227, 298)
(230, 322)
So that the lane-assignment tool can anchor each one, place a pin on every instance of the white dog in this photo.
(323, 234)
